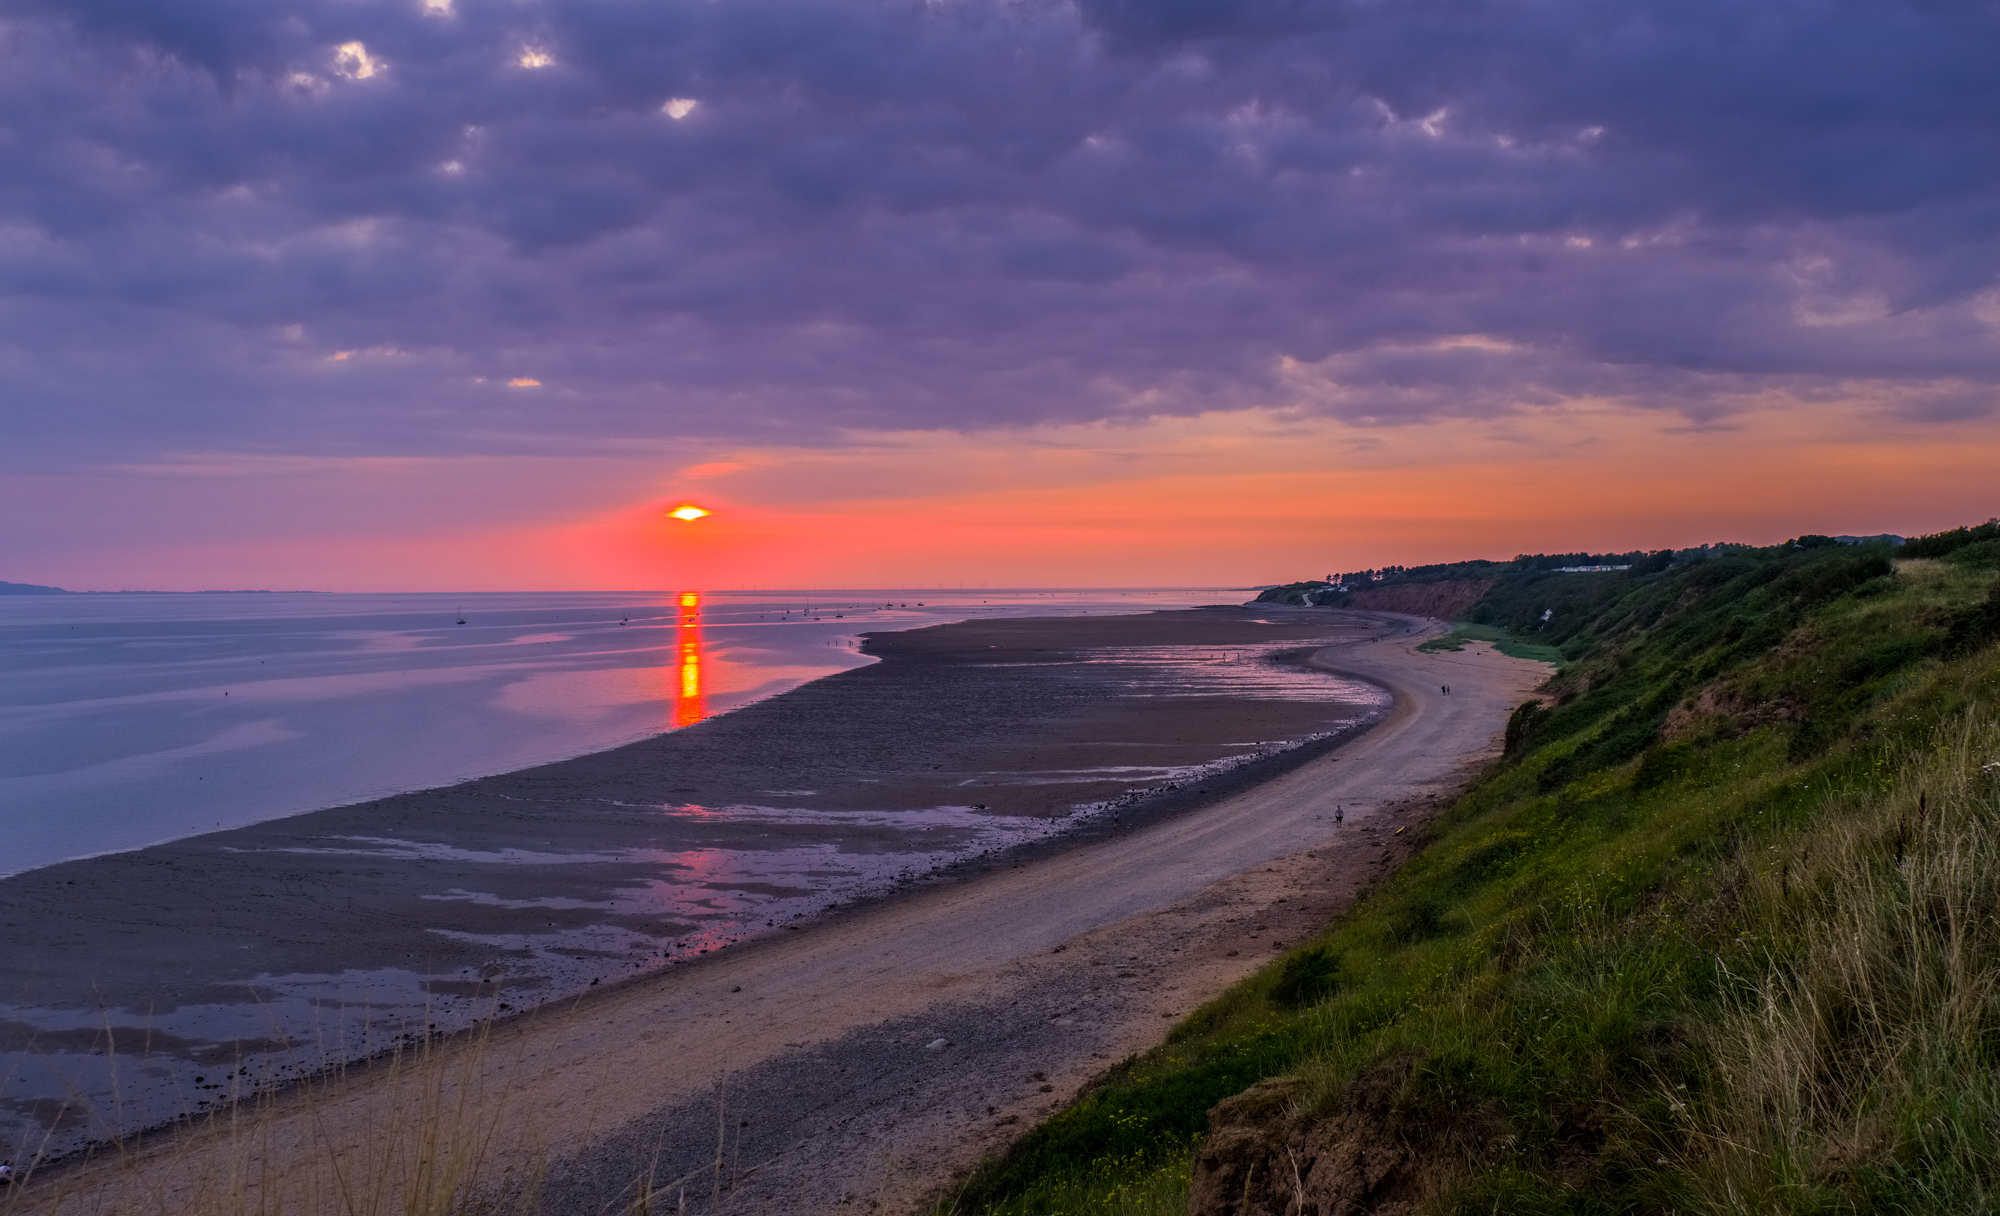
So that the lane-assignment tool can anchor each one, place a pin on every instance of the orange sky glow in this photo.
(1227, 500)
(1276, 505)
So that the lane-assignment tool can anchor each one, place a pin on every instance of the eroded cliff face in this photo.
(1376, 1156)
(1447, 601)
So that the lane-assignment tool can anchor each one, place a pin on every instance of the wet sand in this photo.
(249, 957)
(865, 1061)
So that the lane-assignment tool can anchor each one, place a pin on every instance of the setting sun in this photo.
(689, 512)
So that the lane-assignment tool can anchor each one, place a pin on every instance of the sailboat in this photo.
(460, 613)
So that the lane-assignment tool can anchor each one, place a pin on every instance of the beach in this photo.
(867, 1058)
(133, 720)
(176, 976)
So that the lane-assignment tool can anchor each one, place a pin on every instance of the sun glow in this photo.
(690, 706)
(688, 512)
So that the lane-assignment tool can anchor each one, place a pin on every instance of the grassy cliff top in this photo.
(1721, 933)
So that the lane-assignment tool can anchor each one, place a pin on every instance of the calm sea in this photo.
(127, 720)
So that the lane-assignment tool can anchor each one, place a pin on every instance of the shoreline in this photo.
(227, 718)
(992, 947)
(298, 896)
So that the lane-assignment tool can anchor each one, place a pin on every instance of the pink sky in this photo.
(1228, 500)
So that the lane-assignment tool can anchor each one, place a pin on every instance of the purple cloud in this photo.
(348, 225)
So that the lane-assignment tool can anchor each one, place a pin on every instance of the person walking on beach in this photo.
(1339, 814)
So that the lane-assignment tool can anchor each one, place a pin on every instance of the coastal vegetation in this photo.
(1503, 640)
(1720, 932)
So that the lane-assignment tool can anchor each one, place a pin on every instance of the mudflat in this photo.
(865, 1060)
(147, 985)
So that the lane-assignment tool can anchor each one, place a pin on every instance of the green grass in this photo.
(1503, 640)
(1148, 1182)
(1721, 934)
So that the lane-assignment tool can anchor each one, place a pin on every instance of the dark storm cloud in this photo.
(346, 225)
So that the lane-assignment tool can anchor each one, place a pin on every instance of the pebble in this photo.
(937, 1045)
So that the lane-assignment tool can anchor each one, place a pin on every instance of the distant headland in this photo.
(38, 589)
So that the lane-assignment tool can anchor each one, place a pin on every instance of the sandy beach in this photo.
(156, 983)
(866, 1060)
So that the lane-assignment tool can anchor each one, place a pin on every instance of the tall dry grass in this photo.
(435, 1128)
(1869, 1059)
(437, 1138)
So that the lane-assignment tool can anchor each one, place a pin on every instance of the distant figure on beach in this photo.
(1339, 814)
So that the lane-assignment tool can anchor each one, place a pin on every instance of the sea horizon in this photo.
(128, 722)
(46, 589)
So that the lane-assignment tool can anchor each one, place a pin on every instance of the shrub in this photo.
(1307, 977)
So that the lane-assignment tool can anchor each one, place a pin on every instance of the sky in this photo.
(465, 294)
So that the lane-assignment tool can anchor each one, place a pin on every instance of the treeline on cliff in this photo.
(1721, 932)
(1330, 590)
(1530, 571)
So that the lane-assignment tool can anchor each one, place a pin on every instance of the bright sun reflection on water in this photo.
(689, 705)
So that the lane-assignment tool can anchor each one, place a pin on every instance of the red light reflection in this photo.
(690, 706)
